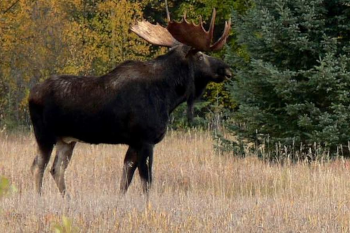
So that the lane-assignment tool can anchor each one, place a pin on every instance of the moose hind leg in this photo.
(64, 153)
(130, 165)
(145, 161)
(39, 164)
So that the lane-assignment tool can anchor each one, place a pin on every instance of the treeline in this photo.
(290, 59)
(292, 66)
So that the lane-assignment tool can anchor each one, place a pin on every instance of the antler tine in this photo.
(211, 27)
(196, 36)
(189, 34)
(222, 41)
(154, 34)
(167, 11)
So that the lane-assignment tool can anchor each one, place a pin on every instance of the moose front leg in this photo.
(145, 166)
(140, 157)
(130, 165)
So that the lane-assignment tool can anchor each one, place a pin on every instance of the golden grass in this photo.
(194, 190)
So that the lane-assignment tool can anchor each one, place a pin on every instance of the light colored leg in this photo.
(64, 153)
(39, 164)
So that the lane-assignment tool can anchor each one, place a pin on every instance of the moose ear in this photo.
(190, 52)
(154, 34)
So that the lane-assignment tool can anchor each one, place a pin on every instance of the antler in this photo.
(187, 33)
(196, 36)
(154, 34)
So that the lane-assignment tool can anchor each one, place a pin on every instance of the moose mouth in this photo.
(228, 73)
(225, 75)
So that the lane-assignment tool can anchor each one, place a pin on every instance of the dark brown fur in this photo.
(130, 105)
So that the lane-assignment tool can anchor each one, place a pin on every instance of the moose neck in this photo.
(178, 76)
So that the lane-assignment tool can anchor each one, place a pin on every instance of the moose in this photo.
(129, 105)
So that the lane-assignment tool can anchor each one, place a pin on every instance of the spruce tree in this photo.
(292, 68)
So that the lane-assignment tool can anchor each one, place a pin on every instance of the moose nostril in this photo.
(228, 72)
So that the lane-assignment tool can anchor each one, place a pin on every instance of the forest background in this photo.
(290, 59)
(81, 37)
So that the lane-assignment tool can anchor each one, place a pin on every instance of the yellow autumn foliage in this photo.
(44, 37)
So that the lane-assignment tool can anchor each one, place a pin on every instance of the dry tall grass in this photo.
(195, 190)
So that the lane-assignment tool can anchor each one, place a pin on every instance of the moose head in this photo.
(193, 39)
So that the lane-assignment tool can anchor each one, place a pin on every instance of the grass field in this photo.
(194, 190)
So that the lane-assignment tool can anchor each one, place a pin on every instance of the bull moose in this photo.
(129, 105)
